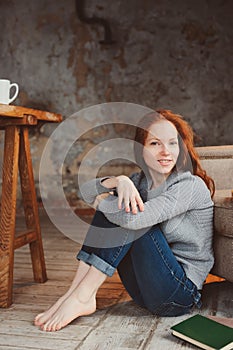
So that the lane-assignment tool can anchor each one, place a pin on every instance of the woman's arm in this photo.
(91, 189)
(187, 194)
(128, 194)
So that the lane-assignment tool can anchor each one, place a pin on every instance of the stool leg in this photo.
(8, 212)
(31, 207)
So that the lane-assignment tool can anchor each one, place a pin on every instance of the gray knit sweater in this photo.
(181, 205)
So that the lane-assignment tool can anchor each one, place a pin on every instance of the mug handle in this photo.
(16, 91)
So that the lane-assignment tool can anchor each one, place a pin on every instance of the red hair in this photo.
(188, 158)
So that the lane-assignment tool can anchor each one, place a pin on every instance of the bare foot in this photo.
(70, 309)
(43, 317)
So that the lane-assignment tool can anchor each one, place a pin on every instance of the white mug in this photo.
(5, 87)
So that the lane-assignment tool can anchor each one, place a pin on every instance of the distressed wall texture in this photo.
(169, 54)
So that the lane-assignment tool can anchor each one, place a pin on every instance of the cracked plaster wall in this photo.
(169, 54)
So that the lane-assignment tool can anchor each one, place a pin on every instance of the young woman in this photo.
(155, 228)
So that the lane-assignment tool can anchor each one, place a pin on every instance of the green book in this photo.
(205, 333)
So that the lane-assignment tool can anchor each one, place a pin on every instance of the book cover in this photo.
(205, 333)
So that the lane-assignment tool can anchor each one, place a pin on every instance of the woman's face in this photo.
(161, 148)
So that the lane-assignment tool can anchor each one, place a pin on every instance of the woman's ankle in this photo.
(90, 284)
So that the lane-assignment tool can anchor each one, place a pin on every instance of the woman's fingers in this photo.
(128, 194)
(120, 200)
(140, 202)
(133, 205)
(126, 203)
(123, 197)
(136, 203)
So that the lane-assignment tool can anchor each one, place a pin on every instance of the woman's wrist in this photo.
(110, 182)
(113, 182)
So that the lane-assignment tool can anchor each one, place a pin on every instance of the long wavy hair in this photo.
(188, 159)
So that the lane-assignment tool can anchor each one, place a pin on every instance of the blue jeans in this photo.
(147, 267)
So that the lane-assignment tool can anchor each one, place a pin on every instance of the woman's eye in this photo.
(174, 143)
(154, 143)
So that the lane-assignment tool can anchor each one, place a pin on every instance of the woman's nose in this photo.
(164, 149)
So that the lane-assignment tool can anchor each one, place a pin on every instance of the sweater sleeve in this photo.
(184, 195)
(91, 189)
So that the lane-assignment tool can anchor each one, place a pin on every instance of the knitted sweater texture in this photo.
(183, 208)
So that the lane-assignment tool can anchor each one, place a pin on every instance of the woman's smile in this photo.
(165, 162)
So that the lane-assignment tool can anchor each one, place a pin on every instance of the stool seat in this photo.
(16, 121)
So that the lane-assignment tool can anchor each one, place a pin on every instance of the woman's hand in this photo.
(127, 193)
(99, 198)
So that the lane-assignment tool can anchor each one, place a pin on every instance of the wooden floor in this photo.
(117, 324)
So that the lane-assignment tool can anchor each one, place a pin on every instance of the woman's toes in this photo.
(58, 327)
(39, 316)
(45, 327)
(37, 319)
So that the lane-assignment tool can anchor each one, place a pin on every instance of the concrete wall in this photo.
(169, 54)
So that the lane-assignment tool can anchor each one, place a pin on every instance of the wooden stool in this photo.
(16, 121)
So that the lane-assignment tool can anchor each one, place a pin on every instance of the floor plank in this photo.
(117, 324)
